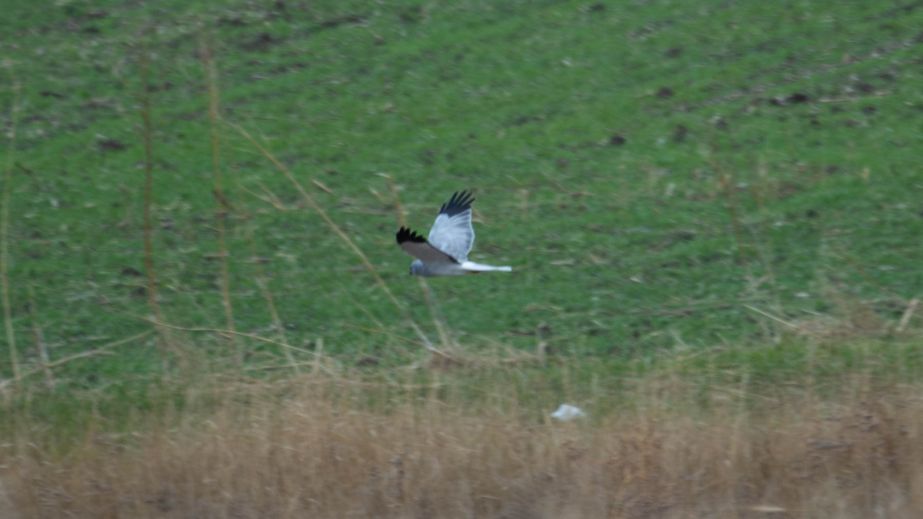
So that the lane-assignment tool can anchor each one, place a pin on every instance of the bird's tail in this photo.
(471, 266)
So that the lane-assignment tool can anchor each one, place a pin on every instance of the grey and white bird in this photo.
(445, 251)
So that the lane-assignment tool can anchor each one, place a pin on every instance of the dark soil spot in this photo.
(233, 20)
(428, 156)
(262, 42)
(346, 19)
(131, 271)
(110, 145)
(791, 99)
(664, 92)
(680, 132)
(411, 15)
(787, 189)
(617, 140)
(888, 76)
(673, 52)
(160, 87)
(865, 88)
(675, 237)
(367, 361)
(544, 330)
(525, 119)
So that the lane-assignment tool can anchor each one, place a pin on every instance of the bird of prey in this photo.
(445, 251)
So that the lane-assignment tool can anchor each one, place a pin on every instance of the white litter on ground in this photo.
(567, 412)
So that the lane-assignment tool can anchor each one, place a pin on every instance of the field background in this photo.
(697, 198)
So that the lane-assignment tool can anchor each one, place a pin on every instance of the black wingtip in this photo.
(405, 234)
(461, 201)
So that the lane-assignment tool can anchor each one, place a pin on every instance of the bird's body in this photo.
(445, 251)
(418, 268)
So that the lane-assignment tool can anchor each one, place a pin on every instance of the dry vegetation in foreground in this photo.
(320, 454)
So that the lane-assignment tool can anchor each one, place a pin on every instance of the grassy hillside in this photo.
(713, 211)
(658, 173)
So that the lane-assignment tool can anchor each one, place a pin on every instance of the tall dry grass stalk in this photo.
(16, 88)
(223, 205)
(167, 346)
(320, 454)
(431, 304)
(309, 200)
(727, 186)
(261, 283)
(41, 351)
(727, 189)
(47, 367)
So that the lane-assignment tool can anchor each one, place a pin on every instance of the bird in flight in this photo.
(445, 251)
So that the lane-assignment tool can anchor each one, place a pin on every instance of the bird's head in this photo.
(416, 268)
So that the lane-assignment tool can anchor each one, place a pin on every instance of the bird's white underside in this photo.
(441, 268)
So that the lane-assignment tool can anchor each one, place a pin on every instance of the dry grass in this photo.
(5, 224)
(321, 453)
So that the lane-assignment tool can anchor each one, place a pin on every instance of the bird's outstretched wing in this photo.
(417, 246)
(452, 232)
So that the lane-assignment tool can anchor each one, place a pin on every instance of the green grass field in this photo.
(661, 175)
(714, 212)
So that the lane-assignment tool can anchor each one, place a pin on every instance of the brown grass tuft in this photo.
(324, 454)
